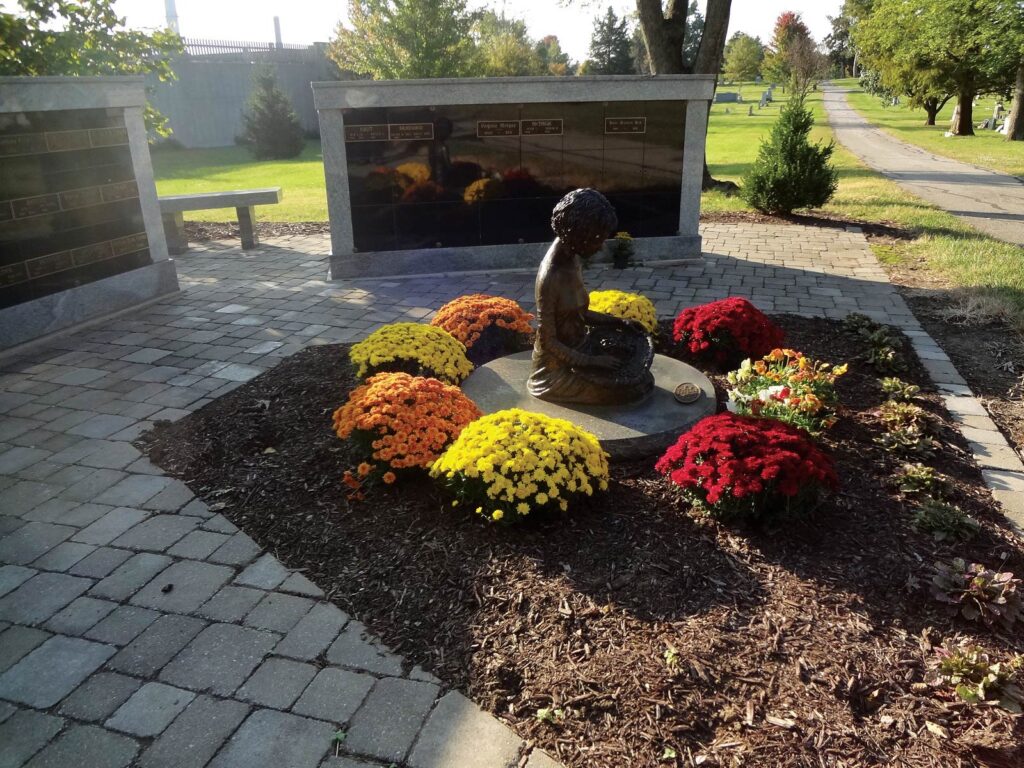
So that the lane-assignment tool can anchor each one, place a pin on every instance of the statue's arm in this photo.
(590, 317)
(548, 331)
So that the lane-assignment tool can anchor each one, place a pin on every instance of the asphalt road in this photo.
(989, 201)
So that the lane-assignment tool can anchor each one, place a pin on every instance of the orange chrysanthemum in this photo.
(467, 317)
(404, 421)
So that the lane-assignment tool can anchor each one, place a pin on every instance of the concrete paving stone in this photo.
(100, 562)
(31, 541)
(77, 376)
(198, 545)
(63, 556)
(995, 456)
(16, 459)
(134, 490)
(156, 533)
(131, 576)
(133, 432)
(314, 632)
(70, 512)
(387, 723)
(111, 526)
(6, 710)
(340, 761)
(278, 612)
(25, 733)
(277, 683)
(357, 649)
(220, 659)
(17, 641)
(458, 732)
(80, 616)
(220, 524)
(98, 697)
(26, 495)
(156, 646)
(172, 498)
(158, 374)
(268, 737)
(114, 455)
(419, 673)
(300, 585)
(86, 745)
(196, 508)
(237, 373)
(85, 483)
(265, 573)
(196, 734)
(146, 355)
(231, 604)
(238, 550)
(74, 453)
(123, 625)
(51, 671)
(102, 426)
(40, 597)
(13, 576)
(150, 709)
(144, 466)
(183, 587)
(11, 427)
(334, 695)
(9, 524)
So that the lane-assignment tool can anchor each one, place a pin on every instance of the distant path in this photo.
(989, 201)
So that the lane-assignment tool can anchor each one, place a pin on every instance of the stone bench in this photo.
(172, 208)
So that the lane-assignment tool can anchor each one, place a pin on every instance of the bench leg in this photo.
(174, 233)
(247, 227)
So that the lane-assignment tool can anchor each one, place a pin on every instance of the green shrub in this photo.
(272, 129)
(970, 672)
(790, 172)
(980, 593)
(944, 521)
(914, 479)
(898, 389)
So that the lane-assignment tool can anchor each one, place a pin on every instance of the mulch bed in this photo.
(800, 644)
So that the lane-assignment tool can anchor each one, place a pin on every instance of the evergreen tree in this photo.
(790, 172)
(611, 46)
(272, 129)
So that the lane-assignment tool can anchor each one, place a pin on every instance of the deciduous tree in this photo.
(504, 48)
(789, 28)
(84, 37)
(743, 57)
(394, 39)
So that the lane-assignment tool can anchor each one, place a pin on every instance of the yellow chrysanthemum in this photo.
(413, 348)
(628, 306)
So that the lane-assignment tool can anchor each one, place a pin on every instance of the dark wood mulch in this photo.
(797, 645)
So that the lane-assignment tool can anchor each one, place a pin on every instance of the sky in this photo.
(307, 21)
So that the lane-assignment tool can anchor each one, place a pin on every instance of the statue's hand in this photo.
(634, 326)
(606, 361)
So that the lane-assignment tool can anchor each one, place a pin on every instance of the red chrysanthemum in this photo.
(741, 464)
(725, 332)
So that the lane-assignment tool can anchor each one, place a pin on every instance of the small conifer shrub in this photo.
(271, 128)
(790, 172)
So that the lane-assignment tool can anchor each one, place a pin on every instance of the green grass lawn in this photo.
(987, 149)
(962, 255)
(188, 171)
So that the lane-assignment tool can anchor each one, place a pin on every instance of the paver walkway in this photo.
(141, 627)
(989, 201)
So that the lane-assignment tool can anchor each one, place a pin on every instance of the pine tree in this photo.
(790, 172)
(611, 46)
(272, 129)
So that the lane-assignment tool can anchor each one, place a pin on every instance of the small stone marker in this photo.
(687, 393)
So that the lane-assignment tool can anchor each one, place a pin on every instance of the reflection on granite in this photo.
(69, 207)
(492, 172)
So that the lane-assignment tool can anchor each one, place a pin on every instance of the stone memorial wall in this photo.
(427, 176)
(75, 189)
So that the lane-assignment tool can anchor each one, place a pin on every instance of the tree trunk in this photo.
(1015, 120)
(709, 62)
(963, 118)
(931, 108)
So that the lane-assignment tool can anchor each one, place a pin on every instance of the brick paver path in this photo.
(138, 626)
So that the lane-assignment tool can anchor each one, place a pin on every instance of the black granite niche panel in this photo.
(69, 202)
(489, 174)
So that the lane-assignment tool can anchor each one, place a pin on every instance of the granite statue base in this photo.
(626, 432)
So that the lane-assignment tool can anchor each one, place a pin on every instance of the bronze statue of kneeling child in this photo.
(581, 356)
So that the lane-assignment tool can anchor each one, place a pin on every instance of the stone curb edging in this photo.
(1001, 466)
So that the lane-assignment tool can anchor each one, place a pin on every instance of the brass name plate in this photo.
(355, 133)
(489, 128)
(535, 127)
(625, 125)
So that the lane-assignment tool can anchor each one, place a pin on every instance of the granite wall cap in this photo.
(45, 94)
(346, 94)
